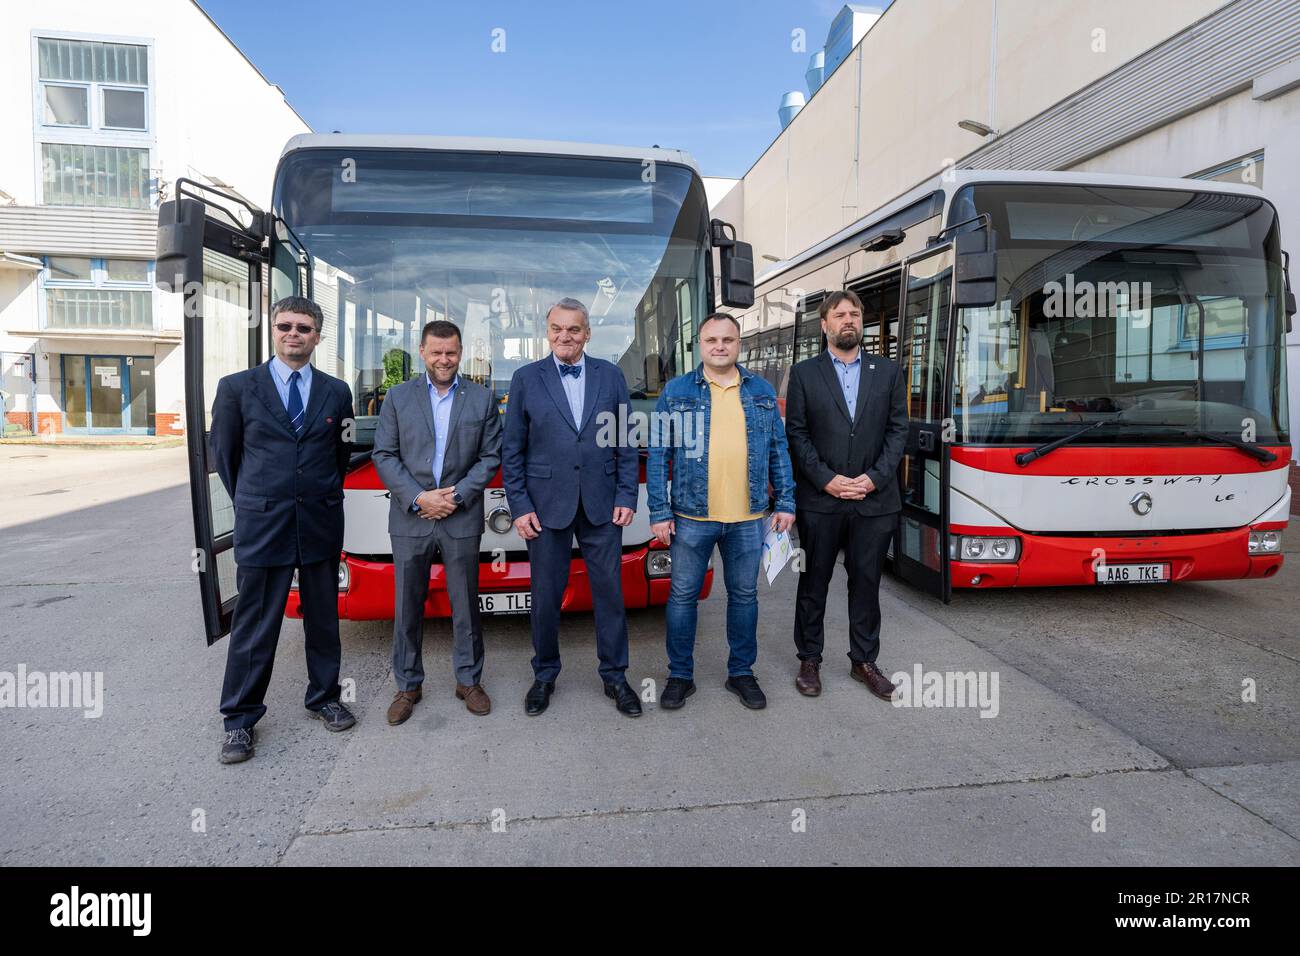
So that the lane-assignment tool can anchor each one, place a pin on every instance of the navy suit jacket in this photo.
(547, 462)
(288, 491)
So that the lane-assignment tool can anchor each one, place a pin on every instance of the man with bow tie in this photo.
(562, 483)
(280, 442)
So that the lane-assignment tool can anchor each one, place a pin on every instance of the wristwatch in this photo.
(455, 496)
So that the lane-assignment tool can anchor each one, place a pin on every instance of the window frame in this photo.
(99, 281)
(95, 133)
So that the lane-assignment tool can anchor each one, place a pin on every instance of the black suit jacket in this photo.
(826, 441)
(288, 491)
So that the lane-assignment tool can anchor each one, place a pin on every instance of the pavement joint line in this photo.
(1231, 637)
(1259, 816)
(731, 804)
(1063, 692)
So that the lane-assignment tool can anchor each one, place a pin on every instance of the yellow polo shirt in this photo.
(728, 455)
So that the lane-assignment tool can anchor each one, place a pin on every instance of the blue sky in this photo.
(705, 76)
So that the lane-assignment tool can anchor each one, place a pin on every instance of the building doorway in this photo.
(108, 394)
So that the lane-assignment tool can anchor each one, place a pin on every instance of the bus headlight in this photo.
(345, 576)
(1265, 542)
(499, 521)
(659, 564)
(979, 548)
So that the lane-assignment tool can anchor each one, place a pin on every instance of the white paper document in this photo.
(776, 553)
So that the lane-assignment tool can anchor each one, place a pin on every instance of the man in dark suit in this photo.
(846, 422)
(280, 441)
(437, 446)
(560, 483)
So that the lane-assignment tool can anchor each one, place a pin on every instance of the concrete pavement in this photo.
(1124, 701)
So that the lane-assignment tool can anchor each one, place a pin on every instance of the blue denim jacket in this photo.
(674, 430)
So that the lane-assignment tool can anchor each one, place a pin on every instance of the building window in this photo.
(87, 293)
(111, 176)
(94, 85)
(93, 120)
(1247, 169)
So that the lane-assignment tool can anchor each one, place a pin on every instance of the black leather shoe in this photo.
(238, 746)
(335, 715)
(747, 689)
(624, 698)
(675, 693)
(538, 697)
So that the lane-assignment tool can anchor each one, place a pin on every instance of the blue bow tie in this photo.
(574, 370)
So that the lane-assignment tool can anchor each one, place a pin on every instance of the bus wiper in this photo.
(1025, 457)
(1254, 451)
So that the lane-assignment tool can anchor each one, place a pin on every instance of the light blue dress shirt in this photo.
(850, 374)
(441, 406)
(441, 423)
(280, 376)
(575, 387)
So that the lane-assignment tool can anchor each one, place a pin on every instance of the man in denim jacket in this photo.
(722, 428)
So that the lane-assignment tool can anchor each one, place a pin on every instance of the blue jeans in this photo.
(741, 546)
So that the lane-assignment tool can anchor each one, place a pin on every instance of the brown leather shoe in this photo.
(476, 699)
(809, 680)
(402, 705)
(876, 682)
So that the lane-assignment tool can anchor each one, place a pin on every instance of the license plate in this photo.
(1132, 573)
(518, 602)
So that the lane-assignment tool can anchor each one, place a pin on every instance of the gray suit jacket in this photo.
(404, 449)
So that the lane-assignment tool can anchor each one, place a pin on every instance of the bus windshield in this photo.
(490, 241)
(1155, 312)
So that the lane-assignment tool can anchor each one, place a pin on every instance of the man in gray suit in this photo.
(437, 446)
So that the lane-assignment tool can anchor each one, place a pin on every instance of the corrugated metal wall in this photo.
(67, 230)
(1212, 59)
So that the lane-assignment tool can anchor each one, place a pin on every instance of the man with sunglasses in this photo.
(280, 439)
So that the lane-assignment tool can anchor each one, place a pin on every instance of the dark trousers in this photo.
(412, 558)
(549, 555)
(255, 631)
(864, 540)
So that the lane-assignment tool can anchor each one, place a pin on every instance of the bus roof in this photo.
(953, 180)
(488, 144)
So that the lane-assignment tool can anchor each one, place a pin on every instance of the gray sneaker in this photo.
(335, 715)
(238, 746)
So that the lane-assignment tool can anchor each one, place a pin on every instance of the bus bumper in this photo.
(370, 587)
(1049, 561)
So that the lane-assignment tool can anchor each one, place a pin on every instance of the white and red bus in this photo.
(1095, 369)
(387, 233)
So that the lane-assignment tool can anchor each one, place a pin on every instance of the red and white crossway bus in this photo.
(1095, 370)
(387, 233)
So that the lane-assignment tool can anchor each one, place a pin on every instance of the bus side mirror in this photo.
(976, 269)
(735, 265)
(180, 243)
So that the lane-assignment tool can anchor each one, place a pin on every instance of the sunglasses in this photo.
(293, 326)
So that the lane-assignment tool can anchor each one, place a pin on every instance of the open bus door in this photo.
(212, 248)
(924, 351)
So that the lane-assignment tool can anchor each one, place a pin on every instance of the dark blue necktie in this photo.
(574, 370)
(295, 404)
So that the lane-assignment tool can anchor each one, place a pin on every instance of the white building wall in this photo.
(213, 116)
